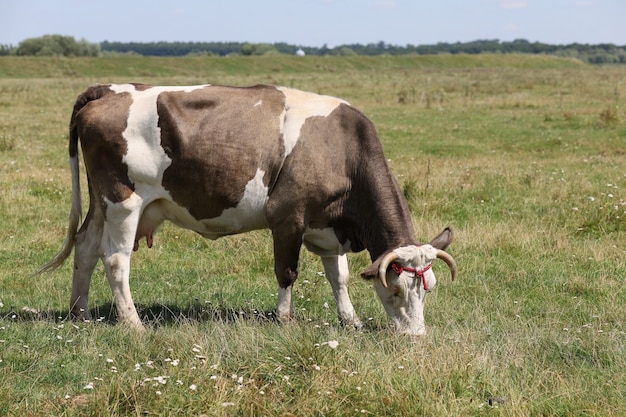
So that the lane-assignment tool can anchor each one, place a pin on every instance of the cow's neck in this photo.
(382, 218)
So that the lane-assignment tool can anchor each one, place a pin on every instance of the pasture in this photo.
(524, 156)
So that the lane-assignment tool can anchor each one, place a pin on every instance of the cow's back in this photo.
(219, 139)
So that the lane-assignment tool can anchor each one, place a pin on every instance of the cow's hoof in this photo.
(80, 315)
(354, 323)
(285, 319)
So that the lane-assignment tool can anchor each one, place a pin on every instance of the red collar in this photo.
(397, 268)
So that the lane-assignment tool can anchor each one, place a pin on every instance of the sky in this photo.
(317, 22)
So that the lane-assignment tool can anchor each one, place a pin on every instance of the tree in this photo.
(57, 45)
(6, 50)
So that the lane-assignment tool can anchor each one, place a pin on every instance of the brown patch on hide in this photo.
(218, 137)
(100, 125)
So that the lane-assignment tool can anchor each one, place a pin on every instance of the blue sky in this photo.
(317, 22)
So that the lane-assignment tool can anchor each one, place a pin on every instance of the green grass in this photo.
(525, 156)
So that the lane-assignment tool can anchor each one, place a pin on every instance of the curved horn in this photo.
(449, 260)
(384, 264)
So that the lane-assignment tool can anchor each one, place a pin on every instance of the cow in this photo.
(223, 160)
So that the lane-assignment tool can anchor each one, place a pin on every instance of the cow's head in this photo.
(404, 276)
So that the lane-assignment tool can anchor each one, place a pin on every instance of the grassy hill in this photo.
(136, 66)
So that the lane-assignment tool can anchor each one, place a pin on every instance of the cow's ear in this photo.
(443, 239)
(372, 271)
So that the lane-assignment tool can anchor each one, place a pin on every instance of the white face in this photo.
(404, 297)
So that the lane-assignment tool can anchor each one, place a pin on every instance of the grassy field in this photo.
(524, 156)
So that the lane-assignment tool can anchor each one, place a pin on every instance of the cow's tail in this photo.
(75, 218)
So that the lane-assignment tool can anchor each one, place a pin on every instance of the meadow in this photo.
(524, 156)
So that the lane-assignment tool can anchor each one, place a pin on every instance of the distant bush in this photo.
(259, 49)
(57, 45)
(172, 48)
(6, 50)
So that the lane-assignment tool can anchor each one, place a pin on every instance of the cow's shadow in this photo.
(154, 316)
(162, 315)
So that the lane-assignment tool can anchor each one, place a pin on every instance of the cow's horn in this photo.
(384, 264)
(449, 260)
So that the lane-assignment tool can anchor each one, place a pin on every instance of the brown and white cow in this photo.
(224, 160)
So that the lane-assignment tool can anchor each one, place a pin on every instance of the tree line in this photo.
(52, 45)
(59, 45)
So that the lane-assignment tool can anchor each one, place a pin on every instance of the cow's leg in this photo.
(118, 240)
(284, 308)
(337, 273)
(286, 255)
(86, 254)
